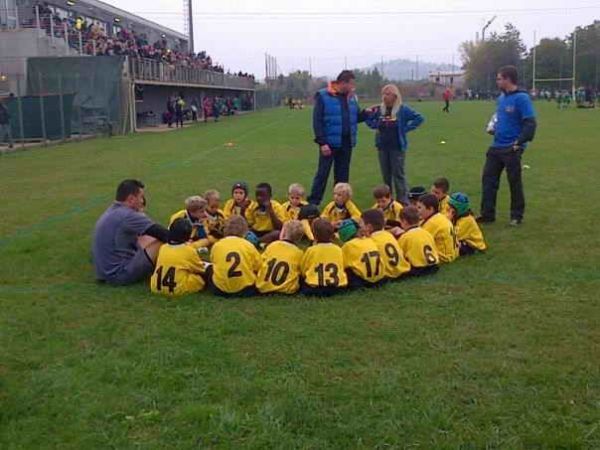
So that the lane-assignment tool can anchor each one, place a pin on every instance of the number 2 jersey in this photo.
(362, 257)
(235, 264)
(280, 270)
(178, 271)
(323, 266)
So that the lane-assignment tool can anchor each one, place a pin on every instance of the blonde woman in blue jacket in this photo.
(393, 120)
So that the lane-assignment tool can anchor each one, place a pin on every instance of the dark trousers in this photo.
(391, 163)
(340, 160)
(447, 107)
(497, 159)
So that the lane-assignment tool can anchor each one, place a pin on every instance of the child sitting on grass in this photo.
(362, 260)
(342, 207)
(414, 193)
(239, 201)
(235, 261)
(280, 271)
(440, 188)
(439, 226)
(179, 268)
(195, 214)
(392, 258)
(215, 218)
(323, 264)
(295, 201)
(468, 234)
(417, 245)
(391, 208)
(265, 216)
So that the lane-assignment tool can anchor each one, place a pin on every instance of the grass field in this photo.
(496, 351)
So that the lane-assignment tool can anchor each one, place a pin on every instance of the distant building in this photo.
(454, 79)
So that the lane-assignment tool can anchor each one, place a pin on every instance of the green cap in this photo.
(460, 202)
(347, 230)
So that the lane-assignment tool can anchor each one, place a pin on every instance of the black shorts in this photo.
(422, 271)
(138, 268)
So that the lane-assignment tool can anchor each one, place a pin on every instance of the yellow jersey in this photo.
(260, 220)
(291, 211)
(444, 206)
(199, 233)
(392, 257)
(178, 271)
(235, 264)
(469, 233)
(391, 213)
(213, 224)
(442, 230)
(231, 209)
(280, 270)
(418, 248)
(335, 213)
(362, 257)
(323, 266)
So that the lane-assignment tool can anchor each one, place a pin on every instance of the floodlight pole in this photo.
(534, 59)
(574, 62)
(190, 28)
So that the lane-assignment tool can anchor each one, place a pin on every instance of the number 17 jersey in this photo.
(323, 266)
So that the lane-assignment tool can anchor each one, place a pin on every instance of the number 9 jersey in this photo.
(280, 271)
(235, 264)
(323, 266)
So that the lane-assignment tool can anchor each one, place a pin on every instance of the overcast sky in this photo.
(238, 33)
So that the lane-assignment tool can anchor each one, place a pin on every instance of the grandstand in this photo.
(117, 68)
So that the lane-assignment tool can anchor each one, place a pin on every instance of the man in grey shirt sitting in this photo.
(126, 241)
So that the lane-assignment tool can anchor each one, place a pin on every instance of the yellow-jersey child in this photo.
(239, 201)
(323, 264)
(417, 245)
(362, 260)
(215, 217)
(440, 188)
(392, 257)
(195, 214)
(468, 233)
(439, 226)
(391, 208)
(280, 270)
(235, 261)
(179, 269)
(342, 207)
(266, 216)
(295, 202)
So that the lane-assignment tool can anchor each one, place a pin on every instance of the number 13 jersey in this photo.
(323, 266)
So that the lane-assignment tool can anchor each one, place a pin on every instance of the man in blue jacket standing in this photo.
(335, 122)
(515, 126)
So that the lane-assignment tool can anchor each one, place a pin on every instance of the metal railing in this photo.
(143, 69)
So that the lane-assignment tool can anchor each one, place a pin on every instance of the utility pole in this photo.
(485, 27)
(382, 77)
(417, 68)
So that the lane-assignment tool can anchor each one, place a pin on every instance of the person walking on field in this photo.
(393, 120)
(335, 123)
(447, 96)
(515, 125)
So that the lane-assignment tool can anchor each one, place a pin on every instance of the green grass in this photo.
(496, 351)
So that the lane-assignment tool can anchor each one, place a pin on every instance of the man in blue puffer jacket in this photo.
(335, 122)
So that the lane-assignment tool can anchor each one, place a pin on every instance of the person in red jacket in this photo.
(447, 96)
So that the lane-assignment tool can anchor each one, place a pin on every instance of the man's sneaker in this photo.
(482, 219)
(515, 222)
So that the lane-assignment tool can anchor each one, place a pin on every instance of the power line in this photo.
(362, 15)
